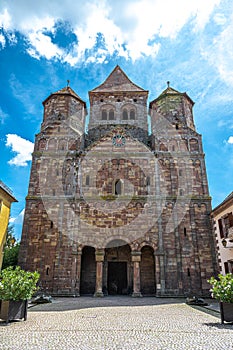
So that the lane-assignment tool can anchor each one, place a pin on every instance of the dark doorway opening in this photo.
(117, 278)
(147, 271)
(88, 271)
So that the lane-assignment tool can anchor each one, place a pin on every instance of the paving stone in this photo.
(117, 323)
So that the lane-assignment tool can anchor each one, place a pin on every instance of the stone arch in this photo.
(163, 146)
(72, 144)
(107, 112)
(117, 277)
(42, 144)
(128, 112)
(147, 270)
(173, 146)
(193, 145)
(52, 144)
(62, 145)
(88, 271)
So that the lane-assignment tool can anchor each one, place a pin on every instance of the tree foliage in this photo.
(11, 249)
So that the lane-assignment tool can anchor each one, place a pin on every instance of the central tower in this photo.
(118, 101)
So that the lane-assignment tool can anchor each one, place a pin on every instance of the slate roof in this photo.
(170, 91)
(118, 81)
(66, 91)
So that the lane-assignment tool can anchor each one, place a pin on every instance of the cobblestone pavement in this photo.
(117, 323)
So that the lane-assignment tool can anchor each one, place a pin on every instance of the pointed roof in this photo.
(117, 81)
(66, 91)
(227, 201)
(170, 91)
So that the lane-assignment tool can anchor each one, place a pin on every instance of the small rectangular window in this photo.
(220, 228)
(226, 267)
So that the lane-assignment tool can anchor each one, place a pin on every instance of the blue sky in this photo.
(42, 44)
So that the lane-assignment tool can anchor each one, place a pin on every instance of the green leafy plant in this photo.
(222, 287)
(17, 284)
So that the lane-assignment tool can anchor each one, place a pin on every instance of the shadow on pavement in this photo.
(84, 302)
(220, 326)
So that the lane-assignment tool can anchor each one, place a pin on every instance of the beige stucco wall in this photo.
(224, 254)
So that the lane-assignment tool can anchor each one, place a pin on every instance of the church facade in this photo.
(116, 209)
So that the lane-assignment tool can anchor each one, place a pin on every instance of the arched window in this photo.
(132, 114)
(111, 114)
(125, 114)
(118, 187)
(104, 114)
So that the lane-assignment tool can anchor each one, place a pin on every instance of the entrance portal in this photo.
(117, 278)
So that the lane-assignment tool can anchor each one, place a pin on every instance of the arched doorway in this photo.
(147, 271)
(118, 270)
(88, 271)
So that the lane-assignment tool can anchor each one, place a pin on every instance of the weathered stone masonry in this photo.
(117, 210)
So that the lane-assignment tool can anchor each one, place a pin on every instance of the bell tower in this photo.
(118, 101)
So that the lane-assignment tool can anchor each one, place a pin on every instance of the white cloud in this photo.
(230, 140)
(18, 219)
(22, 147)
(41, 45)
(3, 116)
(220, 52)
(20, 92)
(2, 40)
(130, 28)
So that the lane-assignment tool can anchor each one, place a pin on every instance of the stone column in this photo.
(160, 273)
(136, 259)
(99, 257)
(78, 273)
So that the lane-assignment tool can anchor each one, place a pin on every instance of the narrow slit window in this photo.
(185, 232)
(87, 180)
(111, 114)
(125, 114)
(132, 114)
(118, 187)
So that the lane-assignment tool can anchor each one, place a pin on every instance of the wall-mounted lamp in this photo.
(224, 242)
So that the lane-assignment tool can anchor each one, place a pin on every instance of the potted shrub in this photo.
(16, 287)
(222, 290)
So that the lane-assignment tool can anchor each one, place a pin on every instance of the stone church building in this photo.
(118, 199)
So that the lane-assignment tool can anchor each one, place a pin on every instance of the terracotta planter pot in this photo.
(226, 310)
(13, 310)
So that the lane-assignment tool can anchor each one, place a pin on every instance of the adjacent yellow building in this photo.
(6, 198)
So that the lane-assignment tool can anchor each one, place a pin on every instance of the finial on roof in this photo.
(168, 84)
(68, 83)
